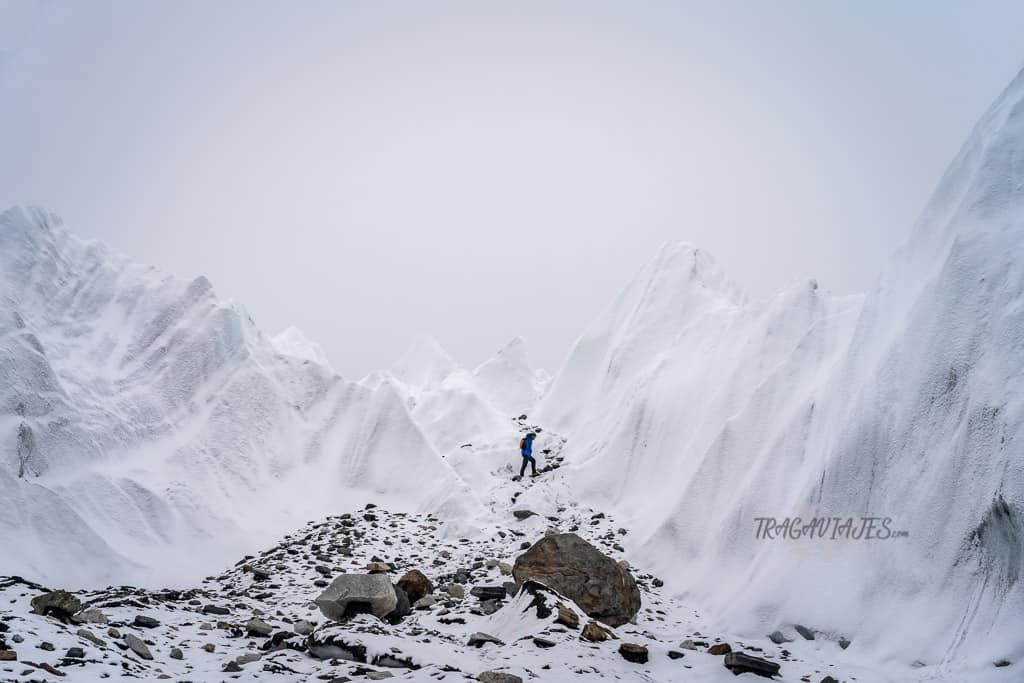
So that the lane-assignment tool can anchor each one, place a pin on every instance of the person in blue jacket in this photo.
(526, 448)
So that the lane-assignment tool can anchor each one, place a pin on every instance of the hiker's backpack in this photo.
(522, 443)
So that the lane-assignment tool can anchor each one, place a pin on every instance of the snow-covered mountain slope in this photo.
(455, 406)
(292, 342)
(696, 411)
(140, 415)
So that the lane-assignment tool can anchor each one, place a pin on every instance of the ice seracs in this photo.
(141, 414)
(292, 342)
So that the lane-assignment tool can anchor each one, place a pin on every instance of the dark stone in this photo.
(807, 633)
(46, 645)
(403, 608)
(523, 514)
(778, 637)
(75, 653)
(740, 662)
(569, 565)
(214, 609)
(142, 621)
(489, 592)
(543, 642)
(478, 639)
(720, 649)
(632, 652)
(844, 643)
(231, 667)
(675, 654)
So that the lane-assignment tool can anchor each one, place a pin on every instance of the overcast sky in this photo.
(368, 171)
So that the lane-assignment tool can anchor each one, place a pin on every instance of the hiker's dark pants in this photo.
(533, 464)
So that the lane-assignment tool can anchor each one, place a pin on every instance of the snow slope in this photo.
(292, 342)
(140, 414)
(695, 411)
(455, 406)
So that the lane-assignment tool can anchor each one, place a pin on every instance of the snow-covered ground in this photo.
(151, 434)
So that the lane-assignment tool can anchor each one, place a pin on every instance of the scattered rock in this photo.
(142, 621)
(829, 679)
(379, 675)
(844, 643)
(778, 637)
(176, 653)
(543, 642)
(215, 609)
(1002, 662)
(569, 565)
(258, 627)
(358, 593)
(246, 658)
(688, 645)
(489, 592)
(740, 662)
(231, 667)
(8, 656)
(209, 647)
(90, 616)
(402, 606)
(498, 677)
(632, 652)
(720, 649)
(567, 617)
(456, 590)
(415, 584)
(594, 632)
(478, 639)
(807, 633)
(426, 602)
(523, 514)
(113, 632)
(75, 653)
(49, 669)
(59, 603)
(675, 654)
(137, 646)
(378, 567)
(47, 646)
(92, 638)
(303, 627)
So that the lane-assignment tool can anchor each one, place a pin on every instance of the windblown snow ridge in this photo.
(141, 414)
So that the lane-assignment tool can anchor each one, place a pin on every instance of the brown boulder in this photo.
(60, 603)
(569, 565)
(415, 584)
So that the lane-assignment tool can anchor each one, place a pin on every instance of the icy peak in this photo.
(425, 363)
(292, 342)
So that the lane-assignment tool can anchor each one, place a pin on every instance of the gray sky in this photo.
(368, 171)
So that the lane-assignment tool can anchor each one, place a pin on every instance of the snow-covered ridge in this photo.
(696, 411)
(140, 414)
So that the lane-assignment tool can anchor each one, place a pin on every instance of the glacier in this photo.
(141, 414)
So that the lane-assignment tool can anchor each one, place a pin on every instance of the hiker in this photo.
(526, 448)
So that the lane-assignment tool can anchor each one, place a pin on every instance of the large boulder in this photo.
(416, 585)
(351, 594)
(59, 603)
(566, 563)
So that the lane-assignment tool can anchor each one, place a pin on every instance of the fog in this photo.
(479, 171)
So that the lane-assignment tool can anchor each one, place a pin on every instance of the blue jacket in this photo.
(527, 448)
